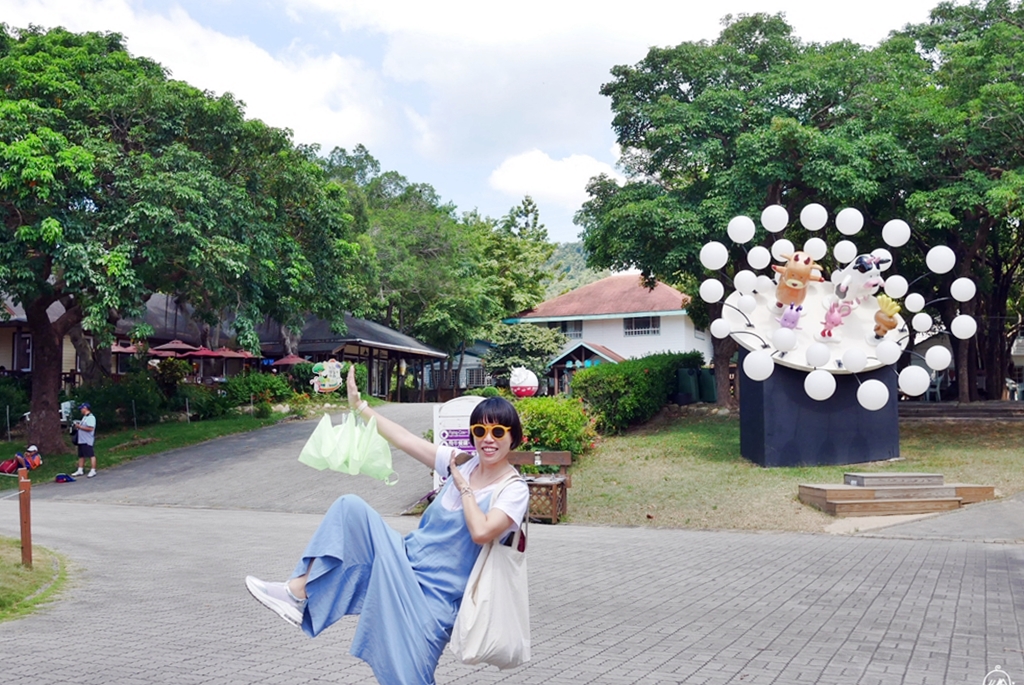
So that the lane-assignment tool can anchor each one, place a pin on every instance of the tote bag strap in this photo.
(521, 530)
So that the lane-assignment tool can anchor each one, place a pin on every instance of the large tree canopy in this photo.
(918, 128)
(118, 182)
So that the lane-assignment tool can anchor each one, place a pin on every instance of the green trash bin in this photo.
(706, 384)
(687, 388)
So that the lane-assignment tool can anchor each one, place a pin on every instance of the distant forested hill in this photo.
(568, 266)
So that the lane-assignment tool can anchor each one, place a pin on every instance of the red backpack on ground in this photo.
(9, 466)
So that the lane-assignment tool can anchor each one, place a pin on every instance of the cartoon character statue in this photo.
(860, 278)
(834, 318)
(800, 269)
(328, 376)
(885, 317)
(791, 317)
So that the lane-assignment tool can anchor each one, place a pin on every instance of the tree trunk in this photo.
(290, 341)
(44, 425)
(96, 364)
(722, 350)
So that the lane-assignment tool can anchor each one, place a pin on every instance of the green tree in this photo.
(524, 344)
(118, 182)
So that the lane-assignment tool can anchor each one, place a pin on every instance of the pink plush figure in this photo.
(834, 318)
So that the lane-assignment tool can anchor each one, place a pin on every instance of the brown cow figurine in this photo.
(800, 268)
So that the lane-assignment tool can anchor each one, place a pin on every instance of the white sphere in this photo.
(764, 283)
(720, 328)
(746, 303)
(711, 290)
(964, 326)
(873, 395)
(885, 256)
(896, 233)
(813, 216)
(784, 339)
(759, 257)
(896, 286)
(758, 365)
(914, 302)
(816, 247)
(963, 289)
(714, 255)
(745, 281)
(940, 259)
(774, 218)
(888, 352)
(781, 247)
(938, 358)
(849, 221)
(921, 322)
(819, 385)
(914, 380)
(741, 229)
(854, 360)
(818, 354)
(844, 252)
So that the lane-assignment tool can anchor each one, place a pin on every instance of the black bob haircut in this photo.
(499, 411)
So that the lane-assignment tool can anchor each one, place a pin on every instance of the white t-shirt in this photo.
(513, 500)
(87, 437)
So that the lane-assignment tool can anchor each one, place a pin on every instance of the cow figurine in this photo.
(800, 268)
(860, 278)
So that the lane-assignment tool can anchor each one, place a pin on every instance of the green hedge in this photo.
(203, 402)
(136, 397)
(556, 424)
(631, 392)
(261, 387)
(14, 398)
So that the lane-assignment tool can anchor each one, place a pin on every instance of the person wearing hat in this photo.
(86, 440)
(30, 460)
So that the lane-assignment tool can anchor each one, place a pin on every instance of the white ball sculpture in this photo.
(793, 308)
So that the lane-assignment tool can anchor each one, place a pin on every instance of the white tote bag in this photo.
(493, 625)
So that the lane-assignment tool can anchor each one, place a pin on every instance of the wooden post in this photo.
(25, 488)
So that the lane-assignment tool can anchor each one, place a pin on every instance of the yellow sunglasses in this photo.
(479, 430)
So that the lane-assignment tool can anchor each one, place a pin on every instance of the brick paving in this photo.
(157, 551)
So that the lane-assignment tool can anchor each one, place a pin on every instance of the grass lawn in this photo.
(687, 472)
(123, 445)
(24, 588)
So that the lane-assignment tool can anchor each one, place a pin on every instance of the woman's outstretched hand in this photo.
(353, 389)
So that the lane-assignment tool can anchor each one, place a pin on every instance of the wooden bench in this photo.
(548, 491)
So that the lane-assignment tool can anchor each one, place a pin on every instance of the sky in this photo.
(486, 101)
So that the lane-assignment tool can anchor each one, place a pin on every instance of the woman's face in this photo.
(491, 449)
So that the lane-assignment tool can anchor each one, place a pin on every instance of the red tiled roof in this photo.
(618, 294)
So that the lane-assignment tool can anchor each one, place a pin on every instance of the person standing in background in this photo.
(86, 428)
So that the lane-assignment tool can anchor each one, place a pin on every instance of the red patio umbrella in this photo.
(176, 346)
(123, 349)
(228, 353)
(163, 354)
(290, 360)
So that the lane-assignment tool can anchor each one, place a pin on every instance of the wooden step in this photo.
(839, 493)
(969, 494)
(889, 507)
(892, 479)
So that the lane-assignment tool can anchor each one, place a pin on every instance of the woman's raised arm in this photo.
(399, 436)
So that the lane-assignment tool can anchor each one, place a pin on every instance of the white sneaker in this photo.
(275, 596)
(79, 472)
(92, 472)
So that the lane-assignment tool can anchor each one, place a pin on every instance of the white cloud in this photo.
(560, 182)
(323, 98)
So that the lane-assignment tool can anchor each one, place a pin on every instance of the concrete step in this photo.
(889, 507)
(872, 480)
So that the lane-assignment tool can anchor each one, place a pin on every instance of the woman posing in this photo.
(407, 591)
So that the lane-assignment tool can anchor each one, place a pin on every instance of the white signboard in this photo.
(451, 426)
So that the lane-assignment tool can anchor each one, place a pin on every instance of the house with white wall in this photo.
(614, 319)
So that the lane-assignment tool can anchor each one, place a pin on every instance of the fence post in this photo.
(188, 418)
(25, 497)
(251, 412)
(135, 418)
(8, 423)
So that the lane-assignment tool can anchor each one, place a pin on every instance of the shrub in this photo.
(555, 424)
(203, 402)
(14, 398)
(299, 377)
(486, 391)
(631, 392)
(263, 410)
(261, 387)
(169, 373)
(135, 398)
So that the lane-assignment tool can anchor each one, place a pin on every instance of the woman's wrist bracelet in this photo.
(361, 406)
(466, 490)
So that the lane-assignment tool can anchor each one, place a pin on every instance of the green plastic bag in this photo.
(351, 447)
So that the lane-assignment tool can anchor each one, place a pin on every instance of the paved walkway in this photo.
(158, 549)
